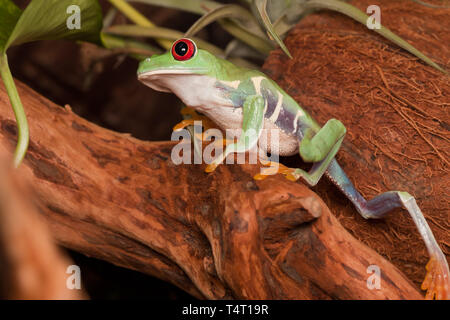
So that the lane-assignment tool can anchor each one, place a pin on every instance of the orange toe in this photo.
(194, 116)
(183, 124)
(274, 168)
(436, 282)
(259, 176)
(291, 177)
(211, 167)
(265, 172)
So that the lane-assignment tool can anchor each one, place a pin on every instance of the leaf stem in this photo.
(16, 103)
(135, 16)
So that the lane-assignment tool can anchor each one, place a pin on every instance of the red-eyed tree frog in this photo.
(248, 101)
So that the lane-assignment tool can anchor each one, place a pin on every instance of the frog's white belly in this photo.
(200, 93)
(230, 119)
(196, 91)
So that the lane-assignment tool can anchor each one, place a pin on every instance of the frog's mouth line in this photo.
(156, 79)
(149, 74)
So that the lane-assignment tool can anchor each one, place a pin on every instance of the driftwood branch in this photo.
(395, 108)
(216, 236)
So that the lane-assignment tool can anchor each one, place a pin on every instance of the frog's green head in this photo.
(183, 59)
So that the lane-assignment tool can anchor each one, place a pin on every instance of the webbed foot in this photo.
(437, 281)
(218, 160)
(194, 116)
(211, 167)
(183, 124)
(275, 168)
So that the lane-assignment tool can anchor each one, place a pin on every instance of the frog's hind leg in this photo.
(319, 148)
(437, 281)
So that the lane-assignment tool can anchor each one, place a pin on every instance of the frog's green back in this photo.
(281, 108)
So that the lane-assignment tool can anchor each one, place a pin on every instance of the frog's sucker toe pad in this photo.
(183, 124)
(194, 116)
(275, 168)
(211, 167)
(437, 281)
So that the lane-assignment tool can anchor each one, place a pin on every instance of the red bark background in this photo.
(395, 109)
(218, 235)
(337, 71)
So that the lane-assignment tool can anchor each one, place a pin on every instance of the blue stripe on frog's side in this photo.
(284, 111)
(281, 109)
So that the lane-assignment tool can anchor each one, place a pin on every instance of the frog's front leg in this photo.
(193, 117)
(252, 124)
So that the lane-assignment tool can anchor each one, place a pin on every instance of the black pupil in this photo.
(181, 48)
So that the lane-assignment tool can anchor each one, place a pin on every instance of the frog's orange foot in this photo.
(217, 142)
(188, 111)
(275, 168)
(183, 124)
(194, 116)
(206, 124)
(211, 167)
(437, 281)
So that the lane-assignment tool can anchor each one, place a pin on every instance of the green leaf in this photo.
(261, 7)
(361, 17)
(235, 48)
(163, 33)
(242, 15)
(136, 49)
(19, 112)
(160, 33)
(431, 5)
(258, 43)
(48, 19)
(245, 19)
(9, 14)
(193, 6)
(42, 19)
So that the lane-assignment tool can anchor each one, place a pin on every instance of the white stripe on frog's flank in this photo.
(257, 83)
(277, 110)
(233, 84)
(298, 115)
(265, 106)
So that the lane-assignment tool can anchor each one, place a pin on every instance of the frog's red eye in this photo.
(183, 49)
